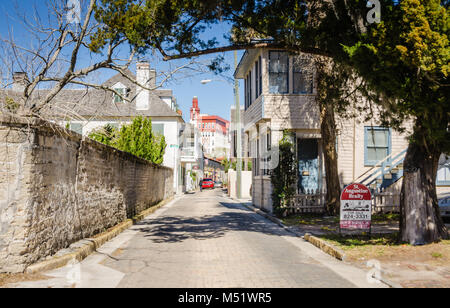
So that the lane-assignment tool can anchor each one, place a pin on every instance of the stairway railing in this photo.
(376, 175)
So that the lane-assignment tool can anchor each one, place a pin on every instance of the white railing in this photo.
(381, 168)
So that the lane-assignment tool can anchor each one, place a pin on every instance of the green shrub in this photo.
(138, 139)
(284, 176)
(107, 134)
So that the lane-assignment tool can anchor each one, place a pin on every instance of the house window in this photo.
(248, 88)
(118, 98)
(114, 125)
(267, 157)
(260, 76)
(303, 80)
(377, 145)
(257, 78)
(76, 128)
(278, 72)
(443, 175)
(245, 93)
(158, 129)
(122, 90)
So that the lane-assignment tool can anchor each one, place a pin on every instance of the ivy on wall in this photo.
(284, 176)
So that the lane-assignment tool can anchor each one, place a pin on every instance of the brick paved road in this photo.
(206, 240)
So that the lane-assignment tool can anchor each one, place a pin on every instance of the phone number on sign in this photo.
(355, 216)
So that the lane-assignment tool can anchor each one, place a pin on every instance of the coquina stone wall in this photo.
(56, 188)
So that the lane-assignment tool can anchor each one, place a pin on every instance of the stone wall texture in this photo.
(57, 188)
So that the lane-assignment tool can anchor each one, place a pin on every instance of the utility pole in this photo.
(238, 133)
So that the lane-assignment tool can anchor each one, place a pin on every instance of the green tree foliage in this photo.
(226, 165)
(406, 59)
(138, 139)
(107, 134)
(232, 165)
(284, 177)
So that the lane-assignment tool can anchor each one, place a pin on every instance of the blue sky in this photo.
(215, 98)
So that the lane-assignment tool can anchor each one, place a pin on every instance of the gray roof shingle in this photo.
(98, 103)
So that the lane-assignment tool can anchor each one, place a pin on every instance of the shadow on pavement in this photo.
(173, 229)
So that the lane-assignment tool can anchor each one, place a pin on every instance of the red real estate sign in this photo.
(356, 207)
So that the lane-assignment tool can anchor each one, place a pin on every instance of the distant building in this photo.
(214, 132)
(192, 159)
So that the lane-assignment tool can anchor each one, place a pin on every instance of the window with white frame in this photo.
(303, 78)
(278, 72)
(260, 76)
(76, 127)
(443, 174)
(121, 92)
(257, 78)
(248, 90)
(158, 129)
(377, 144)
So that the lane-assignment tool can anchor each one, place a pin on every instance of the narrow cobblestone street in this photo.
(206, 240)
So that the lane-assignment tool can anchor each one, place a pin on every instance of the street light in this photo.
(238, 128)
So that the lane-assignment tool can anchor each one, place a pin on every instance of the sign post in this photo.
(356, 208)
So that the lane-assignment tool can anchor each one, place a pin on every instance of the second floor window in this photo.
(303, 80)
(119, 98)
(377, 145)
(278, 72)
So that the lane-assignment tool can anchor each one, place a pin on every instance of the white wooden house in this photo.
(280, 94)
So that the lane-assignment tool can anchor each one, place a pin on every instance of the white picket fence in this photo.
(386, 202)
(310, 202)
(314, 202)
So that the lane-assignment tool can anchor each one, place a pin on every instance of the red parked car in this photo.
(207, 183)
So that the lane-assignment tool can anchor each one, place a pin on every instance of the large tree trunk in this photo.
(421, 222)
(328, 130)
(329, 84)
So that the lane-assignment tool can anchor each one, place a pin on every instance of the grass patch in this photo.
(383, 218)
(436, 255)
(350, 242)
(309, 219)
(387, 248)
(317, 219)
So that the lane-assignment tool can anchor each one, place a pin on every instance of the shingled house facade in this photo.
(280, 96)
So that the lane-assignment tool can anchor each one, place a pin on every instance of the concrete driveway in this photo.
(206, 240)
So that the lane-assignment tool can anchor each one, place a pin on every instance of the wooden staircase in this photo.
(384, 174)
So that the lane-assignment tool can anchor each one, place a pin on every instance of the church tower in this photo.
(195, 110)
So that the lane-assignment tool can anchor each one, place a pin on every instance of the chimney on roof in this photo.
(20, 81)
(147, 78)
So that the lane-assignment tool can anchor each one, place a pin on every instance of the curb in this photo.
(325, 247)
(82, 249)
